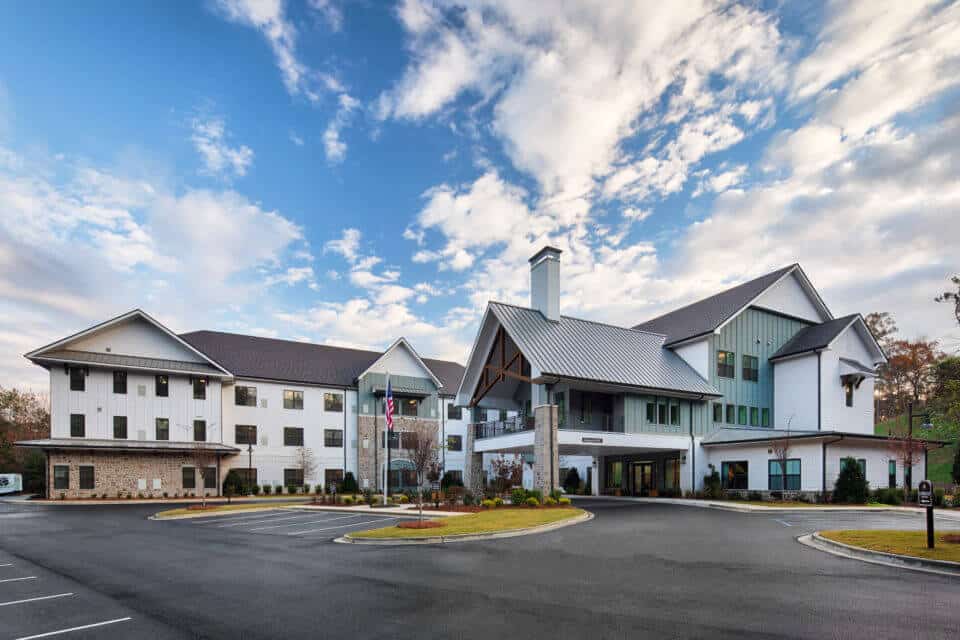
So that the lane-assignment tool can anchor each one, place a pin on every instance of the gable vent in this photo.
(141, 434)
(141, 390)
(263, 403)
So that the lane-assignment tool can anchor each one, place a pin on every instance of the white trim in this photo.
(404, 342)
(804, 283)
(124, 367)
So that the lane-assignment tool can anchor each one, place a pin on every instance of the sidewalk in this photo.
(25, 500)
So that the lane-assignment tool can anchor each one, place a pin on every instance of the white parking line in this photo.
(6, 565)
(786, 524)
(86, 626)
(12, 602)
(297, 524)
(352, 524)
(237, 523)
(249, 515)
(16, 579)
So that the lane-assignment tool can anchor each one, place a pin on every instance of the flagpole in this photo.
(386, 442)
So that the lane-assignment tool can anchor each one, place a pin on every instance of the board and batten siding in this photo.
(372, 382)
(635, 416)
(755, 333)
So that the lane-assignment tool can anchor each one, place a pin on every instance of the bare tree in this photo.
(781, 453)
(952, 297)
(907, 450)
(507, 472)
(305, 460)
(205, 462)
(421, 449)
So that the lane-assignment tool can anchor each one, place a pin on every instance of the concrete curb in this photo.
(233, 512)
(941, 567)
(732, 505)
(469, 537)
(139, 502)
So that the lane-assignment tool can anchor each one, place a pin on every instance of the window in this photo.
(78, 380)
(77, 425)
(120, 382)
(163, 429)
(409, 406)
(120, 427)
(199, 388)
(861, 462)
(293, 477)
(189, 477)
(765, 417)
(162, 386)
(454, 412)
(199, 430)
(292, 437)
(586, 408)
(662, 414)
(86, 477)
(892, 474)
(726, 363)
(332, 475)
(210, 478)
(754, 417)
(717, 412)
(651, 412)
(245, 434)
(751, 368)
(848, 394)
(245, 396)
(333, 402)
(741, 414)
(614, 475)
(731, 414)
(776, 480)
(456, 477)
(734, 475)
(61, 476)
(333, 437)
(561, 399)
(675, 414)
(455, 443)
(292, 399)
(671, 475)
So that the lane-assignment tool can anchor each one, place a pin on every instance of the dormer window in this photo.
(726, 364)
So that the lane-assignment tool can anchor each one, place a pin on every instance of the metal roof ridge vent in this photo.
(545, 282)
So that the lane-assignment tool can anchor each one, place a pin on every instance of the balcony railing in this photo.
(603, 422)
(496, 428)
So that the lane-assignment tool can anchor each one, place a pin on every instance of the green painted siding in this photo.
(635, 415)
(754, 333)
(368, 404)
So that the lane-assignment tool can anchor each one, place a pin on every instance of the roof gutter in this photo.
(552, 378)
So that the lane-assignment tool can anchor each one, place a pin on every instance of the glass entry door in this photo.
(643, 478)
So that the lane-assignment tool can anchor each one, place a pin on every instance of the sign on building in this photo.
(11, 483)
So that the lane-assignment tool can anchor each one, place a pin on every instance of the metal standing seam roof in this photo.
(272, 359)
(817, 336)
(119, 360)
(590, 350)
(706, 315)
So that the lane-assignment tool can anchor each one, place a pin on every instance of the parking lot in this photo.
(294, 522)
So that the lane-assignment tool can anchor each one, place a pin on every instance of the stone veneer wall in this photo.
(546, 458)
(119, 472)
(370, 454)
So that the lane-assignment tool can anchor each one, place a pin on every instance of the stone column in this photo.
(472, 463)
(546, 449)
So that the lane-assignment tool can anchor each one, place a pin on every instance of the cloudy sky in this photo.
(351, 171)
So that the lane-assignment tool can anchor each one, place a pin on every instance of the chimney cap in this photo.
(546, 250)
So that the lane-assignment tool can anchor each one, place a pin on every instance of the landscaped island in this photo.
(491, 521)
(905, 543)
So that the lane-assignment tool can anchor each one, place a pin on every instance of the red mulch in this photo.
(416, 524)
(445, 507)
(952, 538)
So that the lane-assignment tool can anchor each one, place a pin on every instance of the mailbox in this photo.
(925, 493)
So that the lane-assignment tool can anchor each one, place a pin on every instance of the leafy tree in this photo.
(955, 471)
(24, 415)
(952, 297)
(909, 372)
(851, 485)
(349, 484)
(507, 472)
(422, 451)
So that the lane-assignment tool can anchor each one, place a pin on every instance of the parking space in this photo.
(803, 523)
(295, 522)
(35, 603)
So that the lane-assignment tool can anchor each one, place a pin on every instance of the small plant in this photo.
(938, 496)
(536, 493)
(755, 496)
(292, 490)
(851, 485)
(278, 489)
(468, 498)
(488, 504)
(498, 501)
(712, 487)
(255, 489)
(564, 501)
(549, 501)
(518, 496)
(572, 482)
(348, 500)
(349, 484)
(165, 495)
(532, 502)
(368, 496)
(306, 488)
(139, 495)
(63, 496)
(556, 494)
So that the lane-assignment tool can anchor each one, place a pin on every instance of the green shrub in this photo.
(712, 487)
(518, 495)
(572, 482)
(348, 500)
(255, 489)
(267, 489)
(234, 485)
(536, 493)
(488, 504)
(889, 496)
(564, 501)
(498, 501)
(550, 501)
(532, 502)
(368, 495)
(349, 484)
(450, 479)
(469, 498)
(556, 494)
(851, 486)
(306, 488)
(938, 495)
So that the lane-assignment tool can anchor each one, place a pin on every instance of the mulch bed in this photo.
(445, 507)
(416, 524)
(952, 538)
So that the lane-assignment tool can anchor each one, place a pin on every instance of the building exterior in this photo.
(137, 409)
(726, 381)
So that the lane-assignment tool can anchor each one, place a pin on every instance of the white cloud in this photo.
(330, 12)
(346, 245)
(296, 139)
(333, 144)
(219, 158)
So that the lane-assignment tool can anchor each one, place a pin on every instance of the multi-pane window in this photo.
(675, 414)
(246, 434)
(454, 443)
(245, 396)
(892, 474)
(210, 478)
(586, 408)
(78, 425)
(754, 416)
(751, 368)
(741, 414)
(454, 412)
(651, 412)
(78, 380)
(163, 428)
(189, 477)
(765, 417)
(162, 386)
(717, 412)
(733, 475)
(61, 476)
(409, 406)
(560, 398)
(293, 436)
(199, 388)
(726, 364)
(731, 414)
(848, 394)
(293, 477)
(120, 382)
(332, 475)
(292, 399)
(661, 413)
(776, 478)
(333, 402)
(394, 439)
(333, 437)
(120, 427)
(199, 430)
(87, 480)
(671, 473)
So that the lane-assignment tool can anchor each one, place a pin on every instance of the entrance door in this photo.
(643, 478)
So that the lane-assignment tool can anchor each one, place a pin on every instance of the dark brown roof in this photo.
(305, 362)
(814, 337)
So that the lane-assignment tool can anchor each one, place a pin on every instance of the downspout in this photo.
(693, 453)
(346, 407)
(443, 435)
(823, 463)
(819, 389)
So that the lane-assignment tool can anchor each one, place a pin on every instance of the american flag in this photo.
(389, 406)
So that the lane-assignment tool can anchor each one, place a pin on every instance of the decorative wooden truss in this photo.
(498, 368)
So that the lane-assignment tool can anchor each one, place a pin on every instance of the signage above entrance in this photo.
(590, 440)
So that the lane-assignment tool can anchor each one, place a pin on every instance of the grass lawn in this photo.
(220, 508)
(940, 460)
(908, 543)
(483, 522)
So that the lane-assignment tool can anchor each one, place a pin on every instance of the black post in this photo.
(929, 527)
(249, 461)
(908, 478)
(386, 436)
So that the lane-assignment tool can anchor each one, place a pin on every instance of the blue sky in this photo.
(349, 172)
